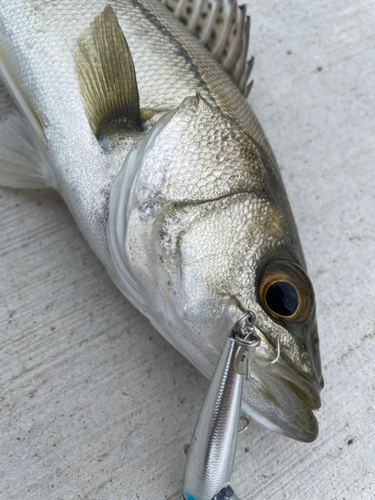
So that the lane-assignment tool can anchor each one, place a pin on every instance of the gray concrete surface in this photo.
(94, 404)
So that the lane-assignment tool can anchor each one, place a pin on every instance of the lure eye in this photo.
(285, 292)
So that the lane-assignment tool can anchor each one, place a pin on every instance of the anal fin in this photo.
(107, 77)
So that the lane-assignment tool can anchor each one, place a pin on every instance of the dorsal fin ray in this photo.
(224, 28)
(107, 77)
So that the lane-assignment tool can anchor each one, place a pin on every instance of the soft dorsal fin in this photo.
(106, 76)
(224, 28)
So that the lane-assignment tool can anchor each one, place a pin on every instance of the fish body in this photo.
(172, 182)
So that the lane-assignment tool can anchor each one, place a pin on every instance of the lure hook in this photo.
(278, 351)
(246, 425)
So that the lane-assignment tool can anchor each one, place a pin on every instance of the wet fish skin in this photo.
(195, 201)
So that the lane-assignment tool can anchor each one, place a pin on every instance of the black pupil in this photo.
(282, 298)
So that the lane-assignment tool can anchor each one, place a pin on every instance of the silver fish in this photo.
(142, 125)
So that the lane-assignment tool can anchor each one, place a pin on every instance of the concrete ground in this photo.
(94, 404)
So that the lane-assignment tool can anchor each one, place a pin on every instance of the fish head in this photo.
(201, 230)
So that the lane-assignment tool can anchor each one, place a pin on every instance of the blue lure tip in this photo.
(226, 493)
(188, 496)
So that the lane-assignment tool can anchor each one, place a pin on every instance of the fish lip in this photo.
(302, 387)
(296, 382)
(287, 412)
(291, 414)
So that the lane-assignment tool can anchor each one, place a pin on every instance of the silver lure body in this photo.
(212, 448)
(185, 213)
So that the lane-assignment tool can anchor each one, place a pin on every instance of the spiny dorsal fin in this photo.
(223, 27)
(106, 76)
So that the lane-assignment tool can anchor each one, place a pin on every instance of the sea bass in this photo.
(136, 113)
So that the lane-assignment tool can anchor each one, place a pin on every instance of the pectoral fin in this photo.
(22, 160)
(107, 77)
(7, 75)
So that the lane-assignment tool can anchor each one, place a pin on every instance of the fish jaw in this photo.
(288, 415)
(280, 397)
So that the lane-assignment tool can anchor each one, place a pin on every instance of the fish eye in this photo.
(285, 292)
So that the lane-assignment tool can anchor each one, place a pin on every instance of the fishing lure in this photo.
(211, 452)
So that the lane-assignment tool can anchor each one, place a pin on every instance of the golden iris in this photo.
(285, 292)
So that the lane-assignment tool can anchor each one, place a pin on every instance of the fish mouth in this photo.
(283, 400)
(304, 389)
